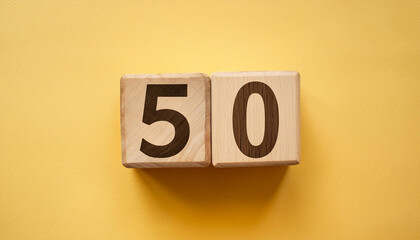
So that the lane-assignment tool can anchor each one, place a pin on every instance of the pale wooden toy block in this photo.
(165, 120)
(255, 118)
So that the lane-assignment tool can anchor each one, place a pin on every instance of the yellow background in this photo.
(60, 163)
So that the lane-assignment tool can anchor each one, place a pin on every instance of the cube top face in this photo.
(255, 118)
(165, 120)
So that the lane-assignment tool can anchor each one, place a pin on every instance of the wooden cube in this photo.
(165, 120)
(255, 118)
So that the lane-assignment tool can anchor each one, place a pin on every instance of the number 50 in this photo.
(183, 102)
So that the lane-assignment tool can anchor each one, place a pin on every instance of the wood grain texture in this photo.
(165, 120)
(245, 109)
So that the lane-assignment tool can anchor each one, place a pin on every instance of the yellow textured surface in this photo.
(60, 166)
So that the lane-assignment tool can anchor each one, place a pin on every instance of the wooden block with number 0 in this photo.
(165, 120)
(255, 119)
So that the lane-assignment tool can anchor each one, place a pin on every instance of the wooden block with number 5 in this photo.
(165, 120)
(255, 119)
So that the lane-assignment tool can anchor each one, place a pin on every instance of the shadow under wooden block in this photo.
(255, 118)
(165, 120)
(211, 186)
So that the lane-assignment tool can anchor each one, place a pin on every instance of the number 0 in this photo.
(151, 115)
(271, 119)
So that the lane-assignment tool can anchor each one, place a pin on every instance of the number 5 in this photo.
(151, 115)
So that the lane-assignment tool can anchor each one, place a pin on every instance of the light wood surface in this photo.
(193, 145)
(283, 102)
